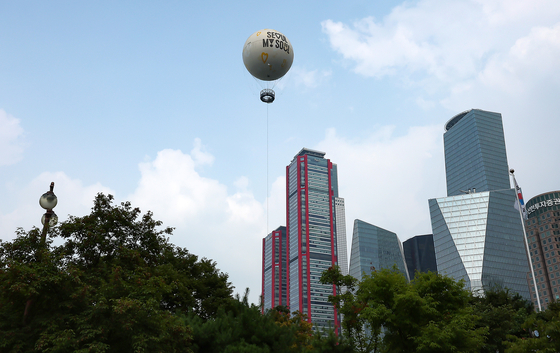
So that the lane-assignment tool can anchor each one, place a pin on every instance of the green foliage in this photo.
(115, 285)
(244, 328)
(544, 331)
(384, 313)
(504, 314)
(330, 343)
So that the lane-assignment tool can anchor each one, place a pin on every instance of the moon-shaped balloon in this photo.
(268, 54)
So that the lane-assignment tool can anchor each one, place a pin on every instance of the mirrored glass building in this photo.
(374, 248)
(478, 237)
(475, 153)
(477, 229)
(419, 254)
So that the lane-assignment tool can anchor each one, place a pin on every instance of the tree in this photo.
(244, 329)
(115, 285)
(385, 313)
(504, 314)
(362, 331)
(544, 330)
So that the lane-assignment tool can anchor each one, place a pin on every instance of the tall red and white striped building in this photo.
(315, 235)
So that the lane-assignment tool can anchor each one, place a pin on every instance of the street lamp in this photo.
(48, 201)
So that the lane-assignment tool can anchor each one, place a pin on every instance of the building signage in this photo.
(546, 203)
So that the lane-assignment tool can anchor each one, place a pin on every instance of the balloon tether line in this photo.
(267, 168)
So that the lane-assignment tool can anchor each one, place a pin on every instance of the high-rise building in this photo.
(478, 237)
(543, 235)
(340, 217)
(274, 274)
(477, 229)
(374, 248)
(419, 254)
(312, 188)
(475, 153)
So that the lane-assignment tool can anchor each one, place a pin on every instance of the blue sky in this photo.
(151, 102)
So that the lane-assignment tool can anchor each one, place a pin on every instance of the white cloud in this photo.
(199, 154)
(11, 145)
(211, 221)
(494, 55)
(442, 41)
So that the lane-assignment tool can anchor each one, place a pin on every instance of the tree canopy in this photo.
(115, 285)
(385, 313)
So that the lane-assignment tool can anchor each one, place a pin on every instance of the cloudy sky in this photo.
(151, 102)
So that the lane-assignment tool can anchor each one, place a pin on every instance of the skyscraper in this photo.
(274, 274)
(374, 248)
(312, 188)
(475, 152)
(419, 254)
(543, 235)
(477, 229)
(340, 218)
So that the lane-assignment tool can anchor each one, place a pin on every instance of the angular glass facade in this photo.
(475, 153)
(274, 276)
(420, 254)
(311, 224)
(478, 237)
(542, 228)
(374, 248)
(477, 229)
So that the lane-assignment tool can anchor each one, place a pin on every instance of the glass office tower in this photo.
(475, 152)
(312, 189)
(478, 237)
(274, 275)
(419, 254)
(478, 232)
(374, 248)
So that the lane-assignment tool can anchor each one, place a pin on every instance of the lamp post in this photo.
(48, 201)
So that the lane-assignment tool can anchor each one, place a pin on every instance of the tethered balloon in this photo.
(268, 55)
